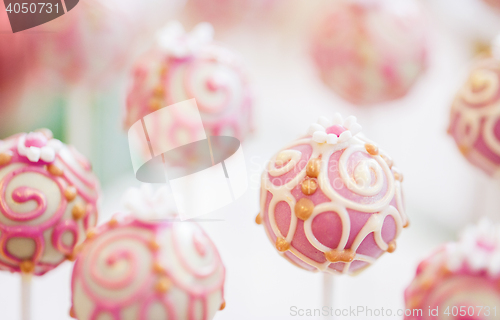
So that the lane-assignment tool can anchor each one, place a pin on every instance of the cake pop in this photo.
(474, 118)
(138, 267)
(494, 3)
(48, 202)
(331, 201)
(183, 66)
(368, 52)
(460, 279)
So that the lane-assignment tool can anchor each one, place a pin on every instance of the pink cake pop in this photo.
(369, 53)
(474, 122)
(48, 202)
(494, 3)
(135, 268)
(228, 12)
(460, 279)
(184, 66)
(331, 201)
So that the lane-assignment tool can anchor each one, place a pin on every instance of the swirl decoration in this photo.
(36, 198)
(211, 74)
(123, 267)
(332, 207)
(475, 116)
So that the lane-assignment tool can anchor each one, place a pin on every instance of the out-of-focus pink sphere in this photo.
(184, 66)
(228, 12)
(460, 278)
(368, 52)
(332, 201)
(93, 42)
(494, 3)
(16, 61)
(475, 116)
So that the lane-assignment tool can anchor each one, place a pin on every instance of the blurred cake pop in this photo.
(460, 279)
(94, 41)
(48, 202)
(370, 52)
(16, 61)
(475, 112)
(183, 66)
(138, 267)
(494, 3)
(331, 201)
(227, 12)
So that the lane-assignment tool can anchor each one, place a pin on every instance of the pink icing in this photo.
(18, 222)
(144, 294)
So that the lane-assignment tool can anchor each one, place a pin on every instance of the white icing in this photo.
(318, 130)
(174, 40)
(145, 203)
(478, 247)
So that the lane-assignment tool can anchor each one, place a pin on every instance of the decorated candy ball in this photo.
(368, 52)
(475, 112)
(494, 3)
(331, 201)
(460, 279)
(48, 202)
(137, 267)
(184, 66)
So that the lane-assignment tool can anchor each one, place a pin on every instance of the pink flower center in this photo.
(36, 139)
(335, 129)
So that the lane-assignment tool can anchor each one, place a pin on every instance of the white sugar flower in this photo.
(336, 131)
(147, 204)
(35, 146)
(174, 40)
(478, 247)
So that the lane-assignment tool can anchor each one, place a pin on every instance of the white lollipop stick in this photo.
(26, 296)
(328, 293)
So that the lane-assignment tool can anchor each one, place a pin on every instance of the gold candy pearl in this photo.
(313, 167)
(407, 224)
(5, 158)
(78, 211)
(70, 193)
(304, 208)
(155, 104)
(163, 285)
(153, 245)
(392, 246)
(55, 170)
(282, 245)
(478, 81)
(112, 223)
(464, 150)
(27, 266)
(72, 313)
(91, 234)
(222, 306)
(371, 149)
(398, 176)
(309, 186)
(340, 256)
(159, 91)
(158, 268)
(258, 219)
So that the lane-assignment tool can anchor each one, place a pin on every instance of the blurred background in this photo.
(72, 75)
